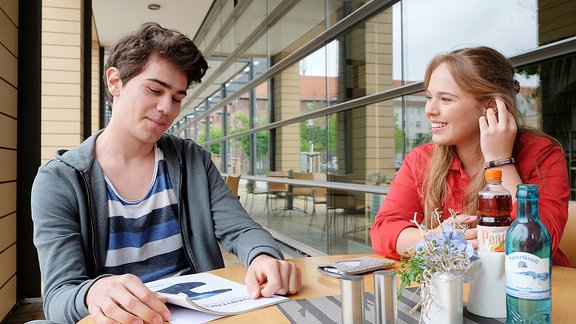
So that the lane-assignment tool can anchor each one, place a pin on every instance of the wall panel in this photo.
(7, 198)
(9, 130)
(9, 97)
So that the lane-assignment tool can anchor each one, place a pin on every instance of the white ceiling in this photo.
(114, 19)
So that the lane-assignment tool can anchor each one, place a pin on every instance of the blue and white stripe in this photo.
(144, 234)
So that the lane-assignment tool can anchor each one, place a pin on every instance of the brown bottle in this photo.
(487, 294)
(494, 207)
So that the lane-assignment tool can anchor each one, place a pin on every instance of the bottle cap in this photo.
(493, 175)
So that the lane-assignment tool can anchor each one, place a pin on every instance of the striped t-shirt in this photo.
(145, 235)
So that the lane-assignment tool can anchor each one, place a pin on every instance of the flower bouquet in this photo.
(447, 252)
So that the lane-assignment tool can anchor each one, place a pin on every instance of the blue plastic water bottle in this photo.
(528, 263)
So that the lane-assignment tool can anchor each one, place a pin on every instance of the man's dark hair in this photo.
(131, 53)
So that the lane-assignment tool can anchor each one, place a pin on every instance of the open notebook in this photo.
(210, 294)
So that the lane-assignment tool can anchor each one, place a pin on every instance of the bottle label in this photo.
(491, 238)
(527, 276)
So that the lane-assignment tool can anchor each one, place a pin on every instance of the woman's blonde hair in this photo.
(486, 74)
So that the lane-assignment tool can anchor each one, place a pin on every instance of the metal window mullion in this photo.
(230, 59)
(351, 104)
(356, 187)
(545, 52)
(354, 18)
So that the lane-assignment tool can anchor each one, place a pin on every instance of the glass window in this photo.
(423, 29)
(303, 22)
(362, 145)
(547, 99)
(319, 78)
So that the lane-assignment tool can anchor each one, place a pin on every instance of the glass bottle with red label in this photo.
(494, 207)
(487, 295)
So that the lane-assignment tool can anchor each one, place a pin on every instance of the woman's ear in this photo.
(491, 104)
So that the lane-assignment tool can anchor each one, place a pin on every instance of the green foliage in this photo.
(314, 134)
(529, 71)
(323, 138)
(448, 251)
(215, 133)
(421, 138)
(332, 133)
(244, 141)
(262, 144)
(397, 135)
(410, 271)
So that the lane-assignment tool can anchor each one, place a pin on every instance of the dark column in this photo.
(87, 53)
(28, 157)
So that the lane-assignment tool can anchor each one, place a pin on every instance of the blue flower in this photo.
(448, 251)
(420, 246)
(449, 244)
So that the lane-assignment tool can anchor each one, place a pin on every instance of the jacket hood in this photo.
(82, 157)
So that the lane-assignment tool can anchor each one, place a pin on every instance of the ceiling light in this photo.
(154, 6)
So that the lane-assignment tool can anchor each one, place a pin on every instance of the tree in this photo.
(244, 141)
(215, 133)
(397, 135)
(421, 138)
(314, 132)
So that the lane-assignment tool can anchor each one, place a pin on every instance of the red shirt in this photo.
(406, 193)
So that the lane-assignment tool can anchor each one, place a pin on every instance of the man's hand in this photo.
(125, 299)
(267, 276)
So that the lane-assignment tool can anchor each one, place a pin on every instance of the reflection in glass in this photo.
(508, 26)
(547, 100)
(366, 144)
(411, 126)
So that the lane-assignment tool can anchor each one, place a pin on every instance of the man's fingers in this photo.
(111, 312)
(292, 278)
(137, 308)
(295, 283)
(154, 307)
(252, 284)
(267, 276)
(99, 317)
(125, 299)
(286, 280)
(274, 281)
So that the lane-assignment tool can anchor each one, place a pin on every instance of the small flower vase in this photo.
(444, 305)
(487, 294)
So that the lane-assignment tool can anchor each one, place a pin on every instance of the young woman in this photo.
(471, 106)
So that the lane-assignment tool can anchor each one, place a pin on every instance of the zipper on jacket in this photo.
(182, 206)
(92, 226)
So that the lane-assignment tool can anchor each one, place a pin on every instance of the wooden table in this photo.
(316, 285)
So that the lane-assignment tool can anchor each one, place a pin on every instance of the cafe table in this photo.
(315, 285)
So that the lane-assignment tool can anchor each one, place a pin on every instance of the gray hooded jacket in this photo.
(70, 214)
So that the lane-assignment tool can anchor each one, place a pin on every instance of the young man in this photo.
(132, 204)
